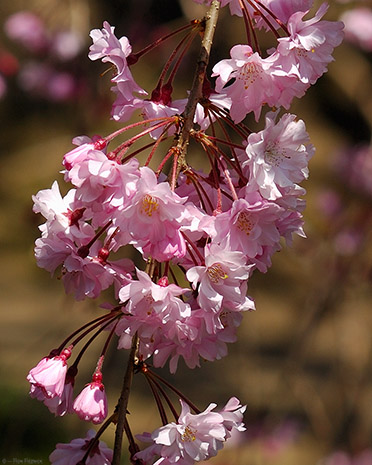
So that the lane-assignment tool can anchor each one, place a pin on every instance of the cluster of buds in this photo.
(200, 233)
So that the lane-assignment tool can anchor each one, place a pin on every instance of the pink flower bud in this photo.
(91, 403)
(48, 377)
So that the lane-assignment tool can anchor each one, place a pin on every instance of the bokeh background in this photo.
(303, 361)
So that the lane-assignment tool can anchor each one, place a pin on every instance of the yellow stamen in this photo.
(149, 205)
(189, 435)
(244, 223)
(216, 272)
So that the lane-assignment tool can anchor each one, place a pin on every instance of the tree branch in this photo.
(197, 86)
(122, 405)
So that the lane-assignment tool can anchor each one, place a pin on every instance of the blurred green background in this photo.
(302, 363)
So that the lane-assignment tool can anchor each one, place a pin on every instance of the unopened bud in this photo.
(163, 282)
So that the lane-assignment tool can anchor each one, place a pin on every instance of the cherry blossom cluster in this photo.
(198, 233)
(300, 57)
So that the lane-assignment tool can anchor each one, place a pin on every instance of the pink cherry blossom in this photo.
(168, 328)
(282, 10)
(72, 453)
(222, 280)
(202, 335)
(105, 184)
(277, 157)
(158, 298)
(107, 47)
(63, 214)
(91, 403)
(151, 308)
(195, 437)
(88, 276)
(249, 226)
(308, 49)
(47, 379)
(153, 219)
(232, 415)
(84, 273)
(60, 405)
(85, 146)
(253, 86)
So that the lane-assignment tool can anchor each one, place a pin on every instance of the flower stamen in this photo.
(216, 272)
(149, 205)
(189, 435)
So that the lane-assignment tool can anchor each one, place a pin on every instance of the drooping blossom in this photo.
(254, 85)
(75, 156)
(222, 281)
(195, 437)
(74, 452)
(63, 214)
(150, 308)
(91, 403)
(85, 271)
(169, 328)
(249, 226)
(152, 219)
(281, 10)
(47, 379)
(104, 184)
(307, 51)
(277, 157)
(200, 336)
(107, 47)
(60, 405)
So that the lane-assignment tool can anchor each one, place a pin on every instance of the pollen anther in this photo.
(189, 435)
(216, 272)
(244, 223)
(149, 205)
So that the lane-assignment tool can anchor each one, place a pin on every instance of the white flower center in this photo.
(274, 154)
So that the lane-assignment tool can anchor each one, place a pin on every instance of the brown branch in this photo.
(122, 405)
(197, 86)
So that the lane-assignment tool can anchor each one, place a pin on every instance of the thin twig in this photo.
(123, 401)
